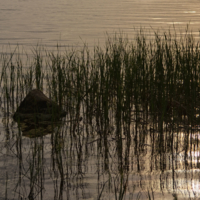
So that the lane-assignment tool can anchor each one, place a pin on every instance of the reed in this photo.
(130, 90)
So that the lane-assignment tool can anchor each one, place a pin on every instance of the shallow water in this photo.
(60, 166)
(80, 170)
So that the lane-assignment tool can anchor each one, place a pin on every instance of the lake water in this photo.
(59, 166)
(72, 22)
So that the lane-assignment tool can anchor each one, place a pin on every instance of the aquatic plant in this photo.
(120, 99)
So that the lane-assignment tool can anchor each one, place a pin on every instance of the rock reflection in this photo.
(33, 130)
(61, 166)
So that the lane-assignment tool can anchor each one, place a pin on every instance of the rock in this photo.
(38, 107)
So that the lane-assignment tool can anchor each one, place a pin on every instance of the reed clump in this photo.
(116, 97)
(121, 83)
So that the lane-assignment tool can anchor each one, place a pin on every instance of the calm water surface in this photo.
(39, 168)
(75, 22)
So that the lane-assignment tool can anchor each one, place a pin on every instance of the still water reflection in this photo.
(77, 161)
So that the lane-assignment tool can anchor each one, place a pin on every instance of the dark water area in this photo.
(116, 142)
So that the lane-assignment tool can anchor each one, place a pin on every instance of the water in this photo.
(70, 22)
(84, 167)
